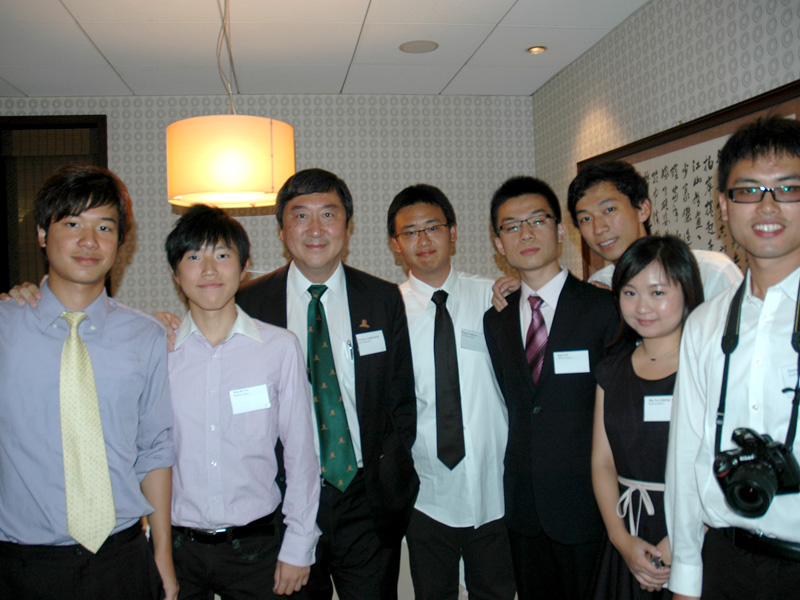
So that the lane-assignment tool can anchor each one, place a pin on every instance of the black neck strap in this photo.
(729, 342)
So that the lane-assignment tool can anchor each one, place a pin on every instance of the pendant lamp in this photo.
(228, 161)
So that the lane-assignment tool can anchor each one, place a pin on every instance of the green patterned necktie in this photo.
(335, 445)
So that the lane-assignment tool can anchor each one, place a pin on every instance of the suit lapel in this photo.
(566, 308)
(512, 334)
(359, 323)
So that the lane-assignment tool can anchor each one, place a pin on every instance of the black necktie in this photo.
(449, 428)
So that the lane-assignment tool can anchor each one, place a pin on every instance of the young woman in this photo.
(656, 285)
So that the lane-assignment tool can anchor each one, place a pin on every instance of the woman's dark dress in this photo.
(640, 452)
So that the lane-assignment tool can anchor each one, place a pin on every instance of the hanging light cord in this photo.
(224, 39)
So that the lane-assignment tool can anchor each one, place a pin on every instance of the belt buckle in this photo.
(213, 531)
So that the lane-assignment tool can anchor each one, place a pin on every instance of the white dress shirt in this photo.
(717, 271)
(337, 314)
(549, 294)
(471, 494)
(762, 365)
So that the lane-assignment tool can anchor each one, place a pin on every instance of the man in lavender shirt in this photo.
(82, 216)
(238, 385)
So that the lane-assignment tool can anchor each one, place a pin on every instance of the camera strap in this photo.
(729, 342)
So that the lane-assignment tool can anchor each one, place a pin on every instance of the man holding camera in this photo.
(733, 508)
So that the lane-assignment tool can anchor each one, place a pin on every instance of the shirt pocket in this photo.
(256, 421)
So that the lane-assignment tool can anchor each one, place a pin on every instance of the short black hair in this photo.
(422, 193)
(628, 181)
(204, 225)
(73, 189)
(763, 137)
(523, 185)
(314, 181)
(678, 262)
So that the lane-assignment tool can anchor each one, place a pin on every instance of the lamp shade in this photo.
(229, 161)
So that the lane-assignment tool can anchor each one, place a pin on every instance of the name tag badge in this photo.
(657, 408)
(245, 400)
(473, 340)
(789, 373)
(370, 342)
(574, 361)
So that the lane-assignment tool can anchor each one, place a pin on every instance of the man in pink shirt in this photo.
(238, 386)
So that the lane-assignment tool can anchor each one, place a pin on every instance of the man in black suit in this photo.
(543, 346)
(363, 525)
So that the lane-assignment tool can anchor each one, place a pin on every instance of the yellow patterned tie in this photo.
(90, 502)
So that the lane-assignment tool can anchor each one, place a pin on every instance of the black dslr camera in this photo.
(751, 475)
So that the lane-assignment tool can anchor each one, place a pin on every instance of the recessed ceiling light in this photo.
(536, 49)
(419, 46)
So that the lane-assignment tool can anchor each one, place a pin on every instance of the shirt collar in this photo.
(549, 292)
(299, 284)
(425, 291)
(787, 286)
(243, 325)
(49, 309)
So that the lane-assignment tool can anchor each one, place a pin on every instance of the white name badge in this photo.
(370, 342)
(473, 340)
(248, 399)
(574, 361)
(657, 408)
(789, 373)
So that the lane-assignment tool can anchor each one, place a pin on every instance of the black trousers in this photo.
(349, 551)
(435, 550)
(122, 569)
(548, 570)
(239, 570)
(731, 573)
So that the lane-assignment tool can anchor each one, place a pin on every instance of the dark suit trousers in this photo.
(731, 573)
(239, 570)
(547, 570)
(435, 550)
(122, 569)
(349, 551)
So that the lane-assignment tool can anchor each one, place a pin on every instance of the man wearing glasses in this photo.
(743, 544)
(462, 422)
(543, 347)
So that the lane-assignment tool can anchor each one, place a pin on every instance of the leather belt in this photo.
(260, 527)
(762, 544)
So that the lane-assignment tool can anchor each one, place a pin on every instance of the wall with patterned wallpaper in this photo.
(379, 144)
(670, 62)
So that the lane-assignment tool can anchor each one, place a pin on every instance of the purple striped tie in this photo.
(536, 340)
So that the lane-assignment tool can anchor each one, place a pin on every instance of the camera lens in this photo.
(751, 489)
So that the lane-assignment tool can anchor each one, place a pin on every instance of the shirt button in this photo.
(755, 407)
(92, 328)
(213, 428)
(212, 391)
(758, 361)
(213, 463)
(214, 499)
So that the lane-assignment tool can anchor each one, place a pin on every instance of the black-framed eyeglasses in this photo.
(754, 194)
(513, 227)
(410, 235)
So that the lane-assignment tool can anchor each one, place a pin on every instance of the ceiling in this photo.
(168, 47)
